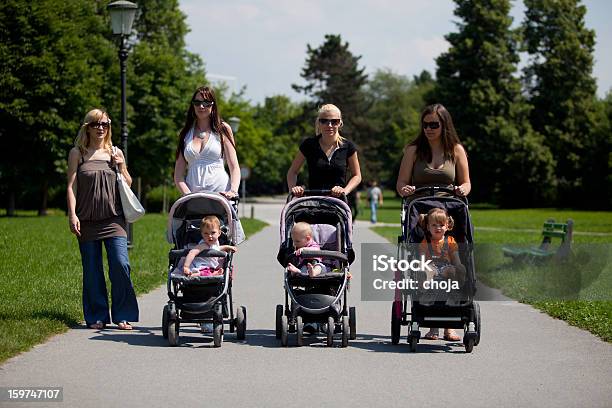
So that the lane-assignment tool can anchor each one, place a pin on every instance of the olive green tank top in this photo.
(424, 176)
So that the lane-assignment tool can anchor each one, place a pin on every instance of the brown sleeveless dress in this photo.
(98, 204)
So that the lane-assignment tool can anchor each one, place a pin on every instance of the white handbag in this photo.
(132, 209)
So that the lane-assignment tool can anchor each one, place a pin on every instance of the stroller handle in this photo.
(433, 190)
(176, 254)
(317, 193)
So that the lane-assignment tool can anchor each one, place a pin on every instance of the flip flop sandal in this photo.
(98, 325)
(451, 337)
(124, 325)
(430, 336)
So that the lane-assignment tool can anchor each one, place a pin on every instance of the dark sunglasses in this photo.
(431, 125)
(96, 125)
(325, 122)
(203, 103)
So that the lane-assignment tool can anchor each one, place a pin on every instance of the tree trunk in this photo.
(42, 210)
(10, 208)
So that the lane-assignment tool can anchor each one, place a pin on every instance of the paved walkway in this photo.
(525, 358)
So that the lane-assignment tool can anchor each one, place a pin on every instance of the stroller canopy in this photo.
(197, 205)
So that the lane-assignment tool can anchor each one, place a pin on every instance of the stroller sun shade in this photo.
(196, 205)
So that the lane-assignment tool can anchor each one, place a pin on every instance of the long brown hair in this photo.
(449, 135)
(216, 123)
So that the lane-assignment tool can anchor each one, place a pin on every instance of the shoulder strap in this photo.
(113, 151)
(444, 246)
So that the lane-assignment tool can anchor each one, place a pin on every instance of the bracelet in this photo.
(233, 191)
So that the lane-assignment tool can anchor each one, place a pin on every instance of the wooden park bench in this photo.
(550, 230)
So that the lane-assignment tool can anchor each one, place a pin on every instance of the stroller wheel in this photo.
(299, 329)
(279, 315)
(217, 333)
(396, 324)
(330, 331)
(173, 333)
(353, 323)
(477, 323)
(346, 331)
(165, 319)
(241, 323)
(469, 344)
(412, 343)
(284, 330)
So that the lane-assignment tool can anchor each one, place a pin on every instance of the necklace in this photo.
(201, 134)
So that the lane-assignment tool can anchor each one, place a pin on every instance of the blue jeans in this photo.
(95, 299)
(373, 208)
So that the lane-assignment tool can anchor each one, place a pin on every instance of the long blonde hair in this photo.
(328, 107)
(82, 139)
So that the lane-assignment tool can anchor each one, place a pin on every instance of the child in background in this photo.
(206, 266)
(444, 252)
(301, 234)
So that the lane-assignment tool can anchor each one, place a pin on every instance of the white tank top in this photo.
(205, 170)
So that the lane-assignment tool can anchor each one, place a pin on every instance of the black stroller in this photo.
(319, 300)
(412, 308)
(200, 299)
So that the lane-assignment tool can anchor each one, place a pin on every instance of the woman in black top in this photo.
(328, 155)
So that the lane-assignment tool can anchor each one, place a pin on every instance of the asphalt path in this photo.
(525, 358)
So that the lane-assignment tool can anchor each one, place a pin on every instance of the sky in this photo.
(261, 44)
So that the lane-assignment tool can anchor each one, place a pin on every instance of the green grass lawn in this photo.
(41, 274)
(497, 228)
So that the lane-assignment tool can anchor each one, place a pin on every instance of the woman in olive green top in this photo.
(435, 158)
(96, 217)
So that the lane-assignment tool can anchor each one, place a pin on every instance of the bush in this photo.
(155, 198)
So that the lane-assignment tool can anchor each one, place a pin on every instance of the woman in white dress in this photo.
(204, 143)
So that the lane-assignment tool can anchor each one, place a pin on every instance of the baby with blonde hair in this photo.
(206, 266)
(301, 234)
(444, 252)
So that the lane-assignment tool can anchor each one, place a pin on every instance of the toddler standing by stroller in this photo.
(301, 235)
(211, 231)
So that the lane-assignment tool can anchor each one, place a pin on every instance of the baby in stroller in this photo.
(301, 235)
(209, 266)
(442, 249)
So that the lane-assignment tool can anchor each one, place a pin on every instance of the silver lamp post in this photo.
(122, 15)
(234, 123)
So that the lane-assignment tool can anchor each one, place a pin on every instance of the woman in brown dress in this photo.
(96, 217)
(435, 158)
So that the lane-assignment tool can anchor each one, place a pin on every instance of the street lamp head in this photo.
(122, 15)
(234, 123)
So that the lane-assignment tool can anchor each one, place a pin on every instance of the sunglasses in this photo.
(325, 122)
(431, 125)
(96, 125)
(202, 102)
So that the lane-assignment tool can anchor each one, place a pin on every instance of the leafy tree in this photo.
(476, 82)
(395, 107)
(596, 166)
(52, 53)
(333, 75)
(282, 119)
(162, 76)
(561, 87)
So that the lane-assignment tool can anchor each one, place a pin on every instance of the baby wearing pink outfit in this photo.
(301, 234)
(211, 230)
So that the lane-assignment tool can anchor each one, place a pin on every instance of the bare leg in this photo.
(314, 270)
(293, 269)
